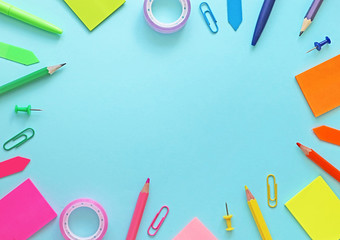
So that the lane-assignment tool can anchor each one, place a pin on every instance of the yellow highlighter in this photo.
(257, 215)
(228, 219)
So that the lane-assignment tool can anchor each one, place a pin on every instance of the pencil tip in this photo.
(299, 144)
(300, 33)
(246, 187)
(52, 69)
(148, 180)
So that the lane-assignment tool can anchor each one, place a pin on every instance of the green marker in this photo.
(29, 78)
(26, 17)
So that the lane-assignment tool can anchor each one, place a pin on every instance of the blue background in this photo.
(202, 115)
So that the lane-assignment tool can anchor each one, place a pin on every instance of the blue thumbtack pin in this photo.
(319, 45)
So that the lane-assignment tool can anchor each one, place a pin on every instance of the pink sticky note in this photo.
(23, 212)
(195, 230)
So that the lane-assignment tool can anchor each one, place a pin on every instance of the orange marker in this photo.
(320, 161)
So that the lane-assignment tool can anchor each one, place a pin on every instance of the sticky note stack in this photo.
(24, 211)
(195, 230)
(317, 209)
(321, 86)
(92, 13)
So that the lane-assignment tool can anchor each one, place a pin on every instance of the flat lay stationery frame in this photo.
(200, 114)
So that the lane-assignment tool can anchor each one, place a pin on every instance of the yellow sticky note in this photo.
(317, 209)
(93, 12)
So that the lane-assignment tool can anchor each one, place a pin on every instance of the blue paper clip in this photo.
(160, 223)
(211, 15)
(18, 136)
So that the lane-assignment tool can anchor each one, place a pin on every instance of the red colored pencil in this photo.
(320, 161)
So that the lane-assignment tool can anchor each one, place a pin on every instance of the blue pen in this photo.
(262, 20)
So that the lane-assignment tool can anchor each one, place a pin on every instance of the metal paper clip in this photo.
(160, 223)
(211, 15)
(268, 191)
(18, 136)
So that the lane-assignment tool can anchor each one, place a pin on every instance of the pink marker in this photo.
(138, 213)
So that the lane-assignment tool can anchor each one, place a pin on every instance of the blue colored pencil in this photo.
(312, 11)
(262, 20)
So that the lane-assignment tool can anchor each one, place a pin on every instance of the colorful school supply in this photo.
(208, 11)
(92, 13)
(23, 135)
(27, 109)
(29, 78)
(320, 86)
(29, 18)
(328, 134)
(319, 45)
(13, 165)
(160, 222)
(262, 20)
(313, 9)
(139, 210)
(269, 198)
(83, 203)
(24, 211)
(234, 8)
(257, 215)
(228, 219)
(317, 209)
(17, 54)
(320, 161)
(167, 27)
(195, 230)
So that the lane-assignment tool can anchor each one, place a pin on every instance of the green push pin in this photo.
(27, 109)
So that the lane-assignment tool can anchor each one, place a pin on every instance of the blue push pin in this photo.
(319, 45)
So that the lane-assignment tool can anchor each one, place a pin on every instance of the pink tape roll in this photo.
(166, 27)
(65, 214)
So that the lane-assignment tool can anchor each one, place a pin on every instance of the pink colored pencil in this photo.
(138, 213)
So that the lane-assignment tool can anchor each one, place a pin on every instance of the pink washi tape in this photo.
(166, 27)
(88, 203)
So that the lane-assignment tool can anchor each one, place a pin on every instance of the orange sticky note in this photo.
(328, 134)
(321, 86)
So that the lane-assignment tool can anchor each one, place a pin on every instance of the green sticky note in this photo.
(17, 54)
(93, 12)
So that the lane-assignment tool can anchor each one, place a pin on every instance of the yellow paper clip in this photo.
(228, 219)
(268, 191)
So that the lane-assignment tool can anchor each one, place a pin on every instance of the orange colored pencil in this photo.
(320, 161)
